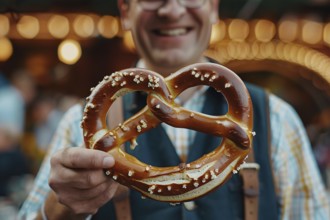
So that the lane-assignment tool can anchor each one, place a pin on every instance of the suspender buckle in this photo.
(253, 166)
(249, 173)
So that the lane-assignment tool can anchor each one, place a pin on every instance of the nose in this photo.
(172, 9)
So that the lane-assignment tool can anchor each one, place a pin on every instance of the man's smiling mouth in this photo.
(172, 32)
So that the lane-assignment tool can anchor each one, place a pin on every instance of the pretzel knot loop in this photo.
(186, 181)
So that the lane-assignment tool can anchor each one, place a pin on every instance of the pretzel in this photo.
(187, 181)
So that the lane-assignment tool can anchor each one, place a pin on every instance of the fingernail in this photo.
(108, 162)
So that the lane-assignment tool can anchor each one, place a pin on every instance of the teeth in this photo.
(173, 32)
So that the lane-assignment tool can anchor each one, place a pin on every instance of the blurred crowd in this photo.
(319, 133)
(28, 119)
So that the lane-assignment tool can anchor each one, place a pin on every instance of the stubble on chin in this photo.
(172, 60)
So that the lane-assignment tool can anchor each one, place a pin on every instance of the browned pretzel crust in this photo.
(186, 181)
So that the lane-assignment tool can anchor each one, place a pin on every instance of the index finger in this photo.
(83, 158)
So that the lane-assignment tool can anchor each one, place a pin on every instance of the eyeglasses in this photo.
(152, 5)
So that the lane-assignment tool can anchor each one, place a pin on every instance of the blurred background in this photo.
(53, 51)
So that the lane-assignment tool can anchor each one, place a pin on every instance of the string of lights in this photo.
(73, 27)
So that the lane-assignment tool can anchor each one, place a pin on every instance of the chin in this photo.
(172, 64)
(173, 60)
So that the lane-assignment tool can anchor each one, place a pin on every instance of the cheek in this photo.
(204, 19)
(140, 32)
(141, 42)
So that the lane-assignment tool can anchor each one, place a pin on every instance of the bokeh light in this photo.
(108, 26)
(84, 26)
(238, 29)
(312, 32)
(4, 25)
(69, 51)
(218, 32)
(59, 26)
(6, 49)
(264, 30)
(28, 26)
(288, 30)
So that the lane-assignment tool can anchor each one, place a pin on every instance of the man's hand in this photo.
(78, 180)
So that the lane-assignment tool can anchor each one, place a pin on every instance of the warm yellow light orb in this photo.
(28, 26)
(238, 30)
(218, 32)
(312, 32)
(108, 26)
(4, 25)
(58, 26)
(288, 30)
(264, 30)
(84, 26)
(326, 34)
(6, 49)
(69, 51)
(128, 41)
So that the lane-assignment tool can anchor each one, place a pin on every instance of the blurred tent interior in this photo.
(283, 45)
(228, 8)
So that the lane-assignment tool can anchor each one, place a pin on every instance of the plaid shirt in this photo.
(300, 191)
(181, 137)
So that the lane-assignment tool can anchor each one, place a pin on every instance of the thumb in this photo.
(102, 160)
(108, 161)
(78, 158)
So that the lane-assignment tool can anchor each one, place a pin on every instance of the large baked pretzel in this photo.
(186, 181)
